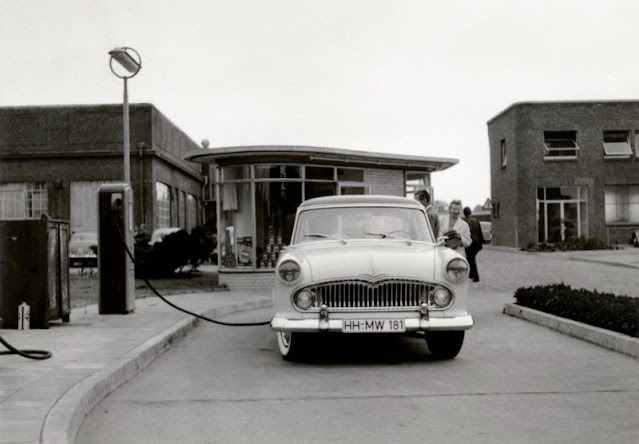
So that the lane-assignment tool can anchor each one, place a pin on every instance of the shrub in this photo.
(572, 244)
(173, 252)
(605, 310)
(162, 258)
(203, 242)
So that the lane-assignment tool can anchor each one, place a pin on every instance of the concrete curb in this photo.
(63, 420)
(605, 338)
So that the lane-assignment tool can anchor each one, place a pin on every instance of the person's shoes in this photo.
(476, 280)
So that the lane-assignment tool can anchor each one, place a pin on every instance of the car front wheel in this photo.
(444, 344)
(291, 344)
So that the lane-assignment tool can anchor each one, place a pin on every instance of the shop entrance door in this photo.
(561, 220)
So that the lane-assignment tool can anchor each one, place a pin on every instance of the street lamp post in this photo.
(129, 59)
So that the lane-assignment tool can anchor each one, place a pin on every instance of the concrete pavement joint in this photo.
(605, 338)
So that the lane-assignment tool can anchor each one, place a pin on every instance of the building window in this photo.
(277, 171)
(181, 195)
(616, 144)
(191, 212)
(504, 159)
(495, 211)
(417, 180)
(562, 213)
(621, 204)
(560, 144)
(163, 201)
(23, 200)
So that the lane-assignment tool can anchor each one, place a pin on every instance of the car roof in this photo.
(360, 199)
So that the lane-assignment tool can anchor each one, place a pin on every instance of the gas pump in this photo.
(115, 235)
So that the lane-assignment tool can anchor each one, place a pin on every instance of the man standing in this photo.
(476, 245)
(423, 196)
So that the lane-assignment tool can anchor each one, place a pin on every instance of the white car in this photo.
(369, 264)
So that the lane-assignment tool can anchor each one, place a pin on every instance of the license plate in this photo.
(374, 326)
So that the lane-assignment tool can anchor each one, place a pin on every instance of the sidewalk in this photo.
(46, 400)
(628, 256)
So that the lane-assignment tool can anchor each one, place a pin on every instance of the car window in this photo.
(361, 223)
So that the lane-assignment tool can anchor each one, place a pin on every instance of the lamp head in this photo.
(128, 58)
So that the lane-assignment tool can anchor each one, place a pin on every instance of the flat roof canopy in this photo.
(271, 154)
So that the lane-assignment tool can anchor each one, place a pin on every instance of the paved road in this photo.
(512, 382)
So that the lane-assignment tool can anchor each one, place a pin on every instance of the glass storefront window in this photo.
(277, 172)
(257, 206)
(235, 239)
(275, 207)
(320, 173)
(319, 189)
(235, 173)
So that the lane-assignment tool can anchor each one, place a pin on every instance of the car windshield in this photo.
(361, 223)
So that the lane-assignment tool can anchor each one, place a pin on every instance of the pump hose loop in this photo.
(30, 354)
(157, 293)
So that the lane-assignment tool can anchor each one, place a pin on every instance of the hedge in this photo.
(173, 252)
(605, 310)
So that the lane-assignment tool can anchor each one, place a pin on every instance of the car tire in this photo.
(444, 344)
(291, 345)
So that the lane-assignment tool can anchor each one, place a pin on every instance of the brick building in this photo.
(54, 158)
(561, 170)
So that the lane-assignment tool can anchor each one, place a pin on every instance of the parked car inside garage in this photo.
(83, 249)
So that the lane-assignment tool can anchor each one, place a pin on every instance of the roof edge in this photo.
(557, 102)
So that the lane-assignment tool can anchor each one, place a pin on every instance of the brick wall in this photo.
(387, 182)
(256, 281)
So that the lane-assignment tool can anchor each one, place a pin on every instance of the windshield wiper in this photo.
(324, 236)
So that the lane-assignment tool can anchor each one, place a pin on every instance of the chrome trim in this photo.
(360, 295)
(412, 324)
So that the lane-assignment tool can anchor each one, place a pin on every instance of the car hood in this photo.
(371, 260)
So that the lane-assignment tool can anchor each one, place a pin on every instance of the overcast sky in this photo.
(416, 77)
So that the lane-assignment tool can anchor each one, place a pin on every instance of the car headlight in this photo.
(289, 271)
(304, 299)
(457, 269)
(442, 297)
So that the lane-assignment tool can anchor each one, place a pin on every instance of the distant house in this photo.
(560, 170)
(54, 158)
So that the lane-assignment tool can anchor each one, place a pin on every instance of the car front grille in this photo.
(356, 295)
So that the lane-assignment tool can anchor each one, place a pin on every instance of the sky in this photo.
(414, 77)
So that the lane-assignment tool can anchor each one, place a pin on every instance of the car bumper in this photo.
(411, 324)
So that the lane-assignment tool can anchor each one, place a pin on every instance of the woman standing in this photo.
(455, 228)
